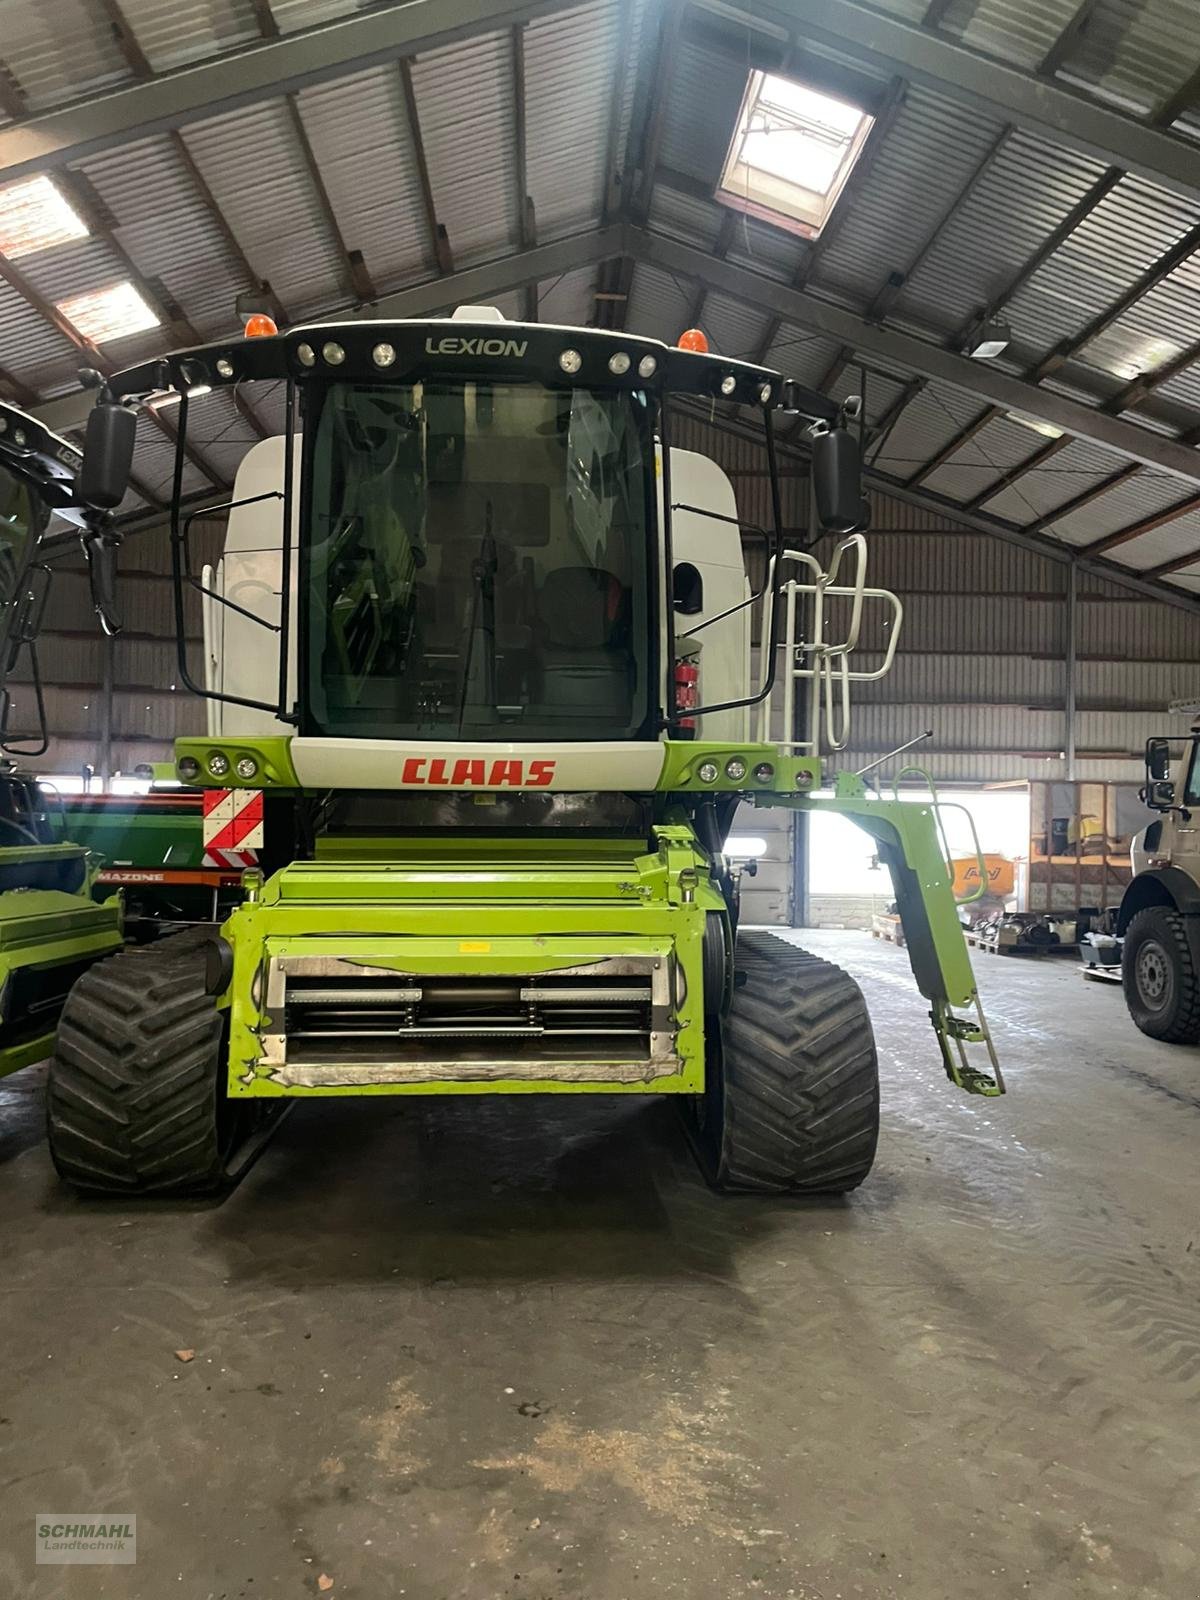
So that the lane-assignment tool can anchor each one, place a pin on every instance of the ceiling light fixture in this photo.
(988, 338)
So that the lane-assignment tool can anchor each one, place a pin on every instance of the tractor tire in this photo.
(136, 1101)
(792, 1100)
(1162, 988)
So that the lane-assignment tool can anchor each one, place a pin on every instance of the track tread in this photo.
(801, 1082)
(132, 1094)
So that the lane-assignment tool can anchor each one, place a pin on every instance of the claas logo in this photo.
(474, 772)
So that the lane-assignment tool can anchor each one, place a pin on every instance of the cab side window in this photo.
(1191, 792)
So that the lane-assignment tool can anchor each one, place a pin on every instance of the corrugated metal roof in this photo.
(1179, 537)
(570, 65)
(471, 156)
(1020, 31)
(569, 300)
(1135, 53)
(686, 217)
(1026, 190)
(359, 132)
(658, 304)
(984, 459)
(769, 251)
(58, 50)
(1136, 498)
(165, 225)
(171, 33)
(1074, 470)
(294, 15)
(931, 149)
(733, 328)
(704, 93)
(926, 425)
(1127, 232)
(279, 223)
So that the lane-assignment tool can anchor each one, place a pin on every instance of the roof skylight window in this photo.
(34, 216)
(792, 151)
(112, 313)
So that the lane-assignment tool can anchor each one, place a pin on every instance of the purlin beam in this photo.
(438, 237)
(1185, 98)
(904, 350)
(350, 279)
(1068, 39)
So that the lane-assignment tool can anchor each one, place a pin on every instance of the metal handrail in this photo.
(825, 663)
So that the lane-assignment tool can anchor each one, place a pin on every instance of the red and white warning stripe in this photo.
(233, 827)
(227, 860)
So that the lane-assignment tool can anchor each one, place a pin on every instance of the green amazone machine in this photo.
(487, 682)
(51, 926)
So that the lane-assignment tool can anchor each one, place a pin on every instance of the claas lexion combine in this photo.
(479, 664)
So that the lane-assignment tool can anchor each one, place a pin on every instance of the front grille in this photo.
(334, 1020)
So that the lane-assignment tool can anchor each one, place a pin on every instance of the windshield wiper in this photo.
(483, 623)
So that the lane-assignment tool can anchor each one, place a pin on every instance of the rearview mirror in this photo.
(837, 482)
(107, 456)
(102, 574)
(1158, 759)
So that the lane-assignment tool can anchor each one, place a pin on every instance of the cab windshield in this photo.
(476, 561)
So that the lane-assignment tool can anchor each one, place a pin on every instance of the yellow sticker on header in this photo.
(474, 947)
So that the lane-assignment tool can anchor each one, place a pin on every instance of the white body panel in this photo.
(241, 657)
(715, 550)
(421, 764)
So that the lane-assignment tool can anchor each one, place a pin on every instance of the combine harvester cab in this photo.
(481, 695)
(51, 928)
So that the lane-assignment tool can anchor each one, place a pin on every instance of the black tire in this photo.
(136, 1099)
(1159, 977)
(792, 1101)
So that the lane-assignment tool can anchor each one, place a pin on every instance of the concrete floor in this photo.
(482, 1350)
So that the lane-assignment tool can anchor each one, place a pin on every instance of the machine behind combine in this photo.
(51, 927)
(482, 678)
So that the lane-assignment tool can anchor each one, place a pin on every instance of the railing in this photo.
(824, 664)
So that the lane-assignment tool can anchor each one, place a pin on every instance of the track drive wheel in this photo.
(136, 1100)
(1162, 989)
(792, 1099)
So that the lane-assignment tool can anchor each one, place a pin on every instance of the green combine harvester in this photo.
(51, 927)
(484, 696)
